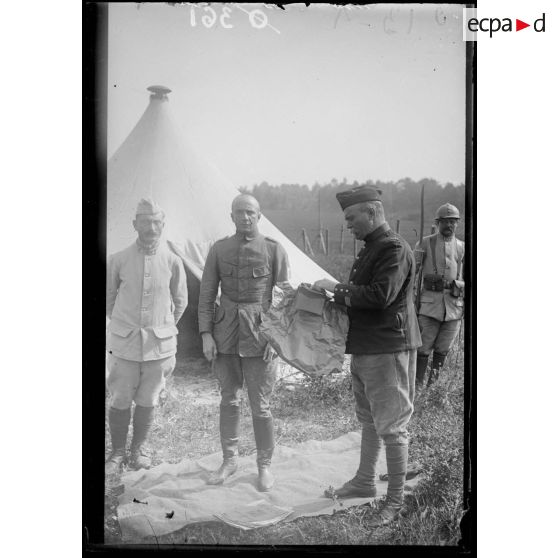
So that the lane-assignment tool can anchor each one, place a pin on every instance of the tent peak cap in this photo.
(159, 91)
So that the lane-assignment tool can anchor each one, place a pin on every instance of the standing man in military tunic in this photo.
(441, 292)
(146, 296)
(246, 266)
(382, 339)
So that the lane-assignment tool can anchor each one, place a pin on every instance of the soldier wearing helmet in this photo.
(441, 292)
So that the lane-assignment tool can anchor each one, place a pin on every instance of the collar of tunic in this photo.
(376, 233)
(147, 250)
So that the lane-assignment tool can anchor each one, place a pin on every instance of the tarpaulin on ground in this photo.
(307, 329)
(170, 496)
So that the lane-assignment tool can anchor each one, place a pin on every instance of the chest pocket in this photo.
(261, 271)
(225, 269)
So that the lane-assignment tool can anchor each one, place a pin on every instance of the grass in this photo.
(318, 408)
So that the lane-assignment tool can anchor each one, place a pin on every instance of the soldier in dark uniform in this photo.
(383, 338)
(246, 266)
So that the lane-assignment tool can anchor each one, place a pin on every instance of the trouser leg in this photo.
(388, 382)
(229, 373)
(260, 379)
(442, 345)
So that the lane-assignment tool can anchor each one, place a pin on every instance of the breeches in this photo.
(437, 335)
(384, 390)
(141, 382)
(260, 376)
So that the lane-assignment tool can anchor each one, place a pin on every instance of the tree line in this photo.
(401, 199)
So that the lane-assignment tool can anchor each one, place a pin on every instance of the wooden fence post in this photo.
(397, 226)
(307, 245)
(322, 242)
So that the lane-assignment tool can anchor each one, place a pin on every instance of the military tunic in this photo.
(146, 296)
(246, 268)
(379, 296)
(448, 263)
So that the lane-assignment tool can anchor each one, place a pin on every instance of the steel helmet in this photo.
(447, 211)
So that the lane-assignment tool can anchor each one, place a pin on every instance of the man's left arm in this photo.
(393, 265)
(178, 289)
(282, 270)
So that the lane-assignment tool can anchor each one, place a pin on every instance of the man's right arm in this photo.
(208, 292)
(113, 282)
(206, 305)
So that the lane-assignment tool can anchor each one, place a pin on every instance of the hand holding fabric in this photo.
(270, 353)
(326, 284)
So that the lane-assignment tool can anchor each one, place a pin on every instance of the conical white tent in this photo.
(155, 161)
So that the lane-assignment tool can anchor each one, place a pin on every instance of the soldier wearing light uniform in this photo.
(146, 296)
(441, 294)
(246, 266)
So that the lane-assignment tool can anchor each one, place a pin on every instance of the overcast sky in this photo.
(374, 92)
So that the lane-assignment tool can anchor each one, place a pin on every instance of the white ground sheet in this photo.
(302, 473)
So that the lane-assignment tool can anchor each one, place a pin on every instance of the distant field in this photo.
(291, 224)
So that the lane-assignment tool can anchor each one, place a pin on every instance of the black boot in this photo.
(437, 364)
(119, 421)
(229, 427)
(396, 459)
(265, 443)
(143, 420)
(422, 363)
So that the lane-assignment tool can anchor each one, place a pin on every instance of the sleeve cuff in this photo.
(342, 294)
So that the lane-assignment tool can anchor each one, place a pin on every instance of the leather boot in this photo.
(265, 477)
(422, 363)
(119, 421)
(143, 420)
(227, 468)
(363, 485)
(396, 459)
(229, 427)
(437, 364)
(263, 432)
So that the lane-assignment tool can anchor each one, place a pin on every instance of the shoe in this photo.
(139, 458)
(228, 468)
(351, 490)
(265, 479)
(115, 461)
(389, 511)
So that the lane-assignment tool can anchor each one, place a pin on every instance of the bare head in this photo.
(245, 214)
